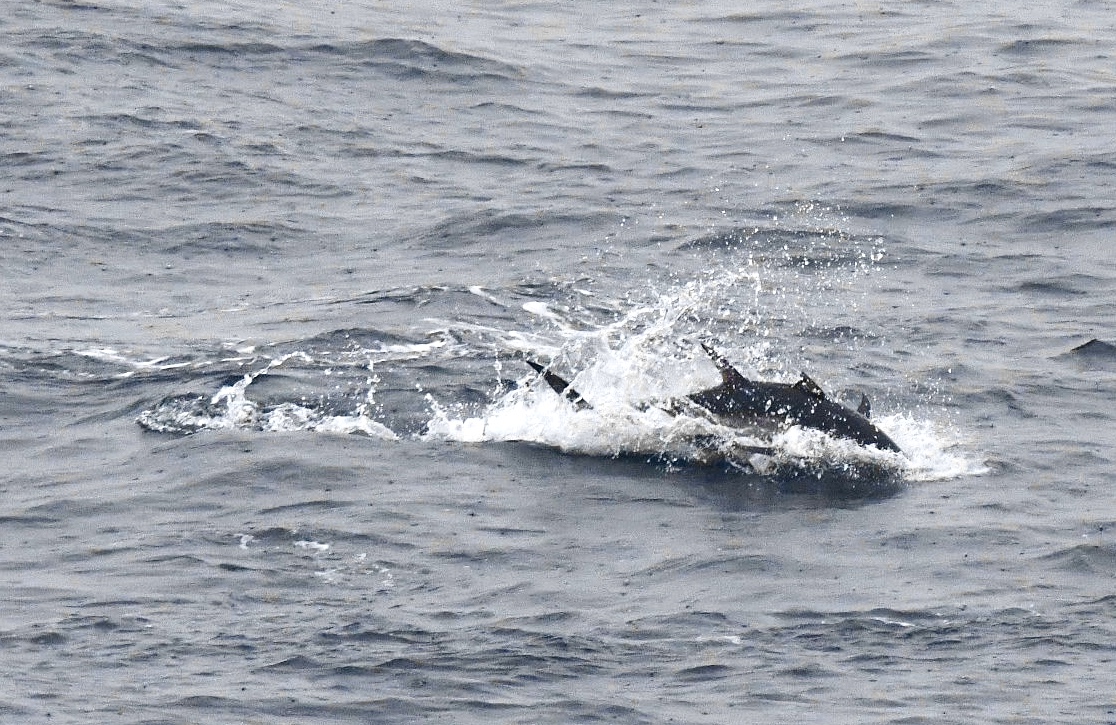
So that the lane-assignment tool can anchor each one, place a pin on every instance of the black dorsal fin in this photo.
(807, 385)
(729, 375)
(865, 407)
(560, 385)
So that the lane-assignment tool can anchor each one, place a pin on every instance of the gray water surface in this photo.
(270, 273)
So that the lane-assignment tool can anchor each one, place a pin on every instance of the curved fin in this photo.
(560, 385)
(807, 385)
(729, 374)
(865, 407)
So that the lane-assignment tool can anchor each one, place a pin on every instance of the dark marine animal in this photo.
(742, 403)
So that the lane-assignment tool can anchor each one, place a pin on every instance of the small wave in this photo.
(1075, 219)
(1092, 355)
(416, 55)
(1093, 349)
(493, 225)
(1091, 559)
(1034, 46)
(1050, 287)
(231, 408)
(403, 58)
(803, 249)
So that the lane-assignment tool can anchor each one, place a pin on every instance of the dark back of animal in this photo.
(804, 403)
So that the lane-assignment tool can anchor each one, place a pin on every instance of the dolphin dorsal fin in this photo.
(865, 407)
(729, 375)
(807, 385)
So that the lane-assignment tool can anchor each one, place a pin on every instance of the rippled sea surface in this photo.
(271, 273)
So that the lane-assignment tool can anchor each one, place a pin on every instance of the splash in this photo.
(629, 417)
(232, 408)
(934, 451)
(629, 366)
(773, 303)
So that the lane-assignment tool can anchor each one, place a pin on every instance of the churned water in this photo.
(271, 273)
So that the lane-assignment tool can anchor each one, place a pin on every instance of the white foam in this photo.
(627, 387)
(934, 451)
(487, 296)
(231, 408)
(620, 420)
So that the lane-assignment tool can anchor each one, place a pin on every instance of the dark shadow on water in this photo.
(810, 485)
(806, 487)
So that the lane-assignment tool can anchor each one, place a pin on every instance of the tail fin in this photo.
(560, 385)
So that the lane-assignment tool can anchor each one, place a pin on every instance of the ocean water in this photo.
(272, 453)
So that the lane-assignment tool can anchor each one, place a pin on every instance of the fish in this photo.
(752, 405)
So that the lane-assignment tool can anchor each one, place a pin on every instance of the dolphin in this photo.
(739, 402)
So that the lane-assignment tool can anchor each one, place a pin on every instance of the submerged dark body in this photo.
(743, 403)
